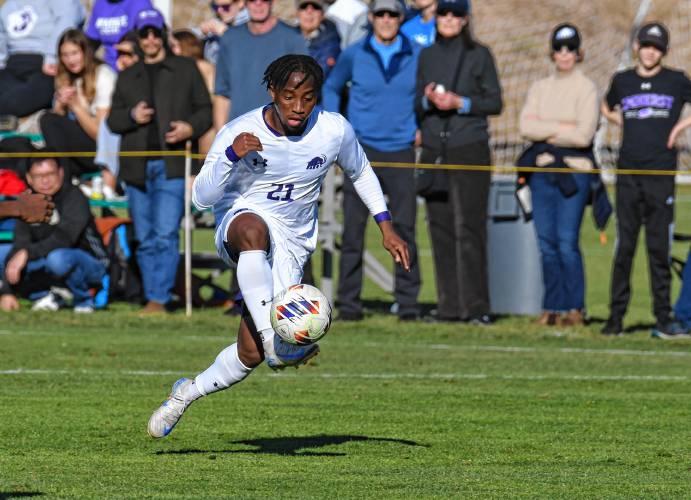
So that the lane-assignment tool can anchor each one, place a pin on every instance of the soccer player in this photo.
(262, 177)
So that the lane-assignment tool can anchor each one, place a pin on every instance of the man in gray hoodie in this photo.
(29, 33)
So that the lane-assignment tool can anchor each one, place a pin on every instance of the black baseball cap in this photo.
(461, 7)
(655, 34)
(565, 35)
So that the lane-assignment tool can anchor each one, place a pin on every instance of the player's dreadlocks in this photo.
(278, 73)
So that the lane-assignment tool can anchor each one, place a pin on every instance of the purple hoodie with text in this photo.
(110, 20)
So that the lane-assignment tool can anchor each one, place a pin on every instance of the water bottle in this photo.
(525, 199)
(97, 188)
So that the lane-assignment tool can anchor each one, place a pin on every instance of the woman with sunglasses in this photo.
(457, 90)
(83, 91)
(226, 13)
(560, 117)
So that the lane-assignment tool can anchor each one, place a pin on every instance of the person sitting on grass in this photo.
(66, 249)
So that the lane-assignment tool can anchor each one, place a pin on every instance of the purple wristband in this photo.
(382, 216)
(231, 155)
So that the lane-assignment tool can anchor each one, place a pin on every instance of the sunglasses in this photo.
(445, 12)
(389, 13)
(147, 30)
(122, 53)
(258, 1)
(224, 7)
(303, 6)
(556, 47)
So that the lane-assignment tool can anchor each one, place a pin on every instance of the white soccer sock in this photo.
(226, 370)
(257, 286)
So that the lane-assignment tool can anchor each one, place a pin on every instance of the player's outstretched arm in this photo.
(209, 185)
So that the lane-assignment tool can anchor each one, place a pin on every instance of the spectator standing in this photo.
(67, 248)
(321, 35)
(29, 32)
(350, 18)
(682, 309)
(381, 71)
(186, 44)
(226, 13)
(109, 21)
(83, 92)
(421, 28)
(158, 104)
(457, 89)
(560, 118)
(244, 52)
(650, 98)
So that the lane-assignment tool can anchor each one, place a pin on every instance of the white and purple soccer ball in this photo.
(301, 314)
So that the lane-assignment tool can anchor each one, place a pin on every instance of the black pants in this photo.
(647, 201)
(64, 134)
(24, 88)
(458, 230)
(399, 185)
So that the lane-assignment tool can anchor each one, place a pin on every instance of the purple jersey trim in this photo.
(231, 155)
(382, 216)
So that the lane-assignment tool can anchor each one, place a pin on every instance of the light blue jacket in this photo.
(35, 26)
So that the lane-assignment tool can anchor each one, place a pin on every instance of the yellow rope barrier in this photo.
(498, 169)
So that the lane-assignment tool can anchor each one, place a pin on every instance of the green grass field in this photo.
(387, 410)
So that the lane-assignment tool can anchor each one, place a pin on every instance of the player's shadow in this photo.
(295, 446)
(19, 494)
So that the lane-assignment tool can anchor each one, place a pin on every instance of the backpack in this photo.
(125, 282)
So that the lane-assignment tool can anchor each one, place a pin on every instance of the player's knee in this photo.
(249, 233)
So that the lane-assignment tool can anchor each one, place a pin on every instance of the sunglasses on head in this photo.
(258, 1)
(146, 30)
(222, 7)
(383, 13)
(445, 12)
(303, 6)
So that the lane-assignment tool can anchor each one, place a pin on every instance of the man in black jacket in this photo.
(457, 89)
(66, 249)
(158, 104)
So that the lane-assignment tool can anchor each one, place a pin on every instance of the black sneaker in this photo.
(670, 331)
(612, 327)
(481, 320)
(350, 316)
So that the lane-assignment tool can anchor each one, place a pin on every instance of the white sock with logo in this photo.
(257, 286)
(227, 370)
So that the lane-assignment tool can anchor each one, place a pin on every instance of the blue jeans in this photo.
(79, 270)
(156, 212)
(558, 223)
(682, 309)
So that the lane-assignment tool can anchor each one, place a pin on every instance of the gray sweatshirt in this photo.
(35, 26)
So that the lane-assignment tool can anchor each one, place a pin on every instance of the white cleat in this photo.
(287, 354)
(164, 419)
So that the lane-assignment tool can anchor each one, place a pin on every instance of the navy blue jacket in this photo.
(381, 103)
(326, 46)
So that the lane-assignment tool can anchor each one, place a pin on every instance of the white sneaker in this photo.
(48, 302)
(290, 354)
(164, 419)
(85, 309)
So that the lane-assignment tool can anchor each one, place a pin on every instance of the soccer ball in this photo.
(301, 314)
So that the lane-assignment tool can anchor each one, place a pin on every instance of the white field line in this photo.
(562, 350)
(372, 376)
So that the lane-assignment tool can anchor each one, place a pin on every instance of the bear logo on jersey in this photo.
(316, 162)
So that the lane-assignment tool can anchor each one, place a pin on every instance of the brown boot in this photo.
(572, 318)
(153, 307)
(547, 318)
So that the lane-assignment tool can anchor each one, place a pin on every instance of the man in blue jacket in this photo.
(381, 71)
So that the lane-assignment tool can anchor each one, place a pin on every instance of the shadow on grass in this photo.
(19, 494)
(294, 445)
(637, 327)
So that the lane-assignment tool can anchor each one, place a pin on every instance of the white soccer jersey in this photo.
(284, 179)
